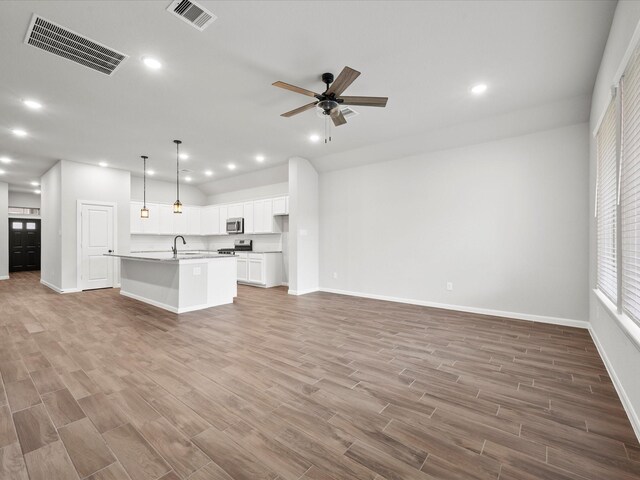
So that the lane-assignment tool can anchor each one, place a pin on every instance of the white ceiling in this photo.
(214, 91)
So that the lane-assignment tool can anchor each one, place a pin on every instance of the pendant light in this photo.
(177, 206)
(144, 211)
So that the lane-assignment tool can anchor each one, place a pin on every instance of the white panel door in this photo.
(247, 211)
(96, 240)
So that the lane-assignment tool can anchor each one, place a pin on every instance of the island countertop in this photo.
(169, 256)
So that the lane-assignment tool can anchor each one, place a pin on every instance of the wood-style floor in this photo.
(319, 387)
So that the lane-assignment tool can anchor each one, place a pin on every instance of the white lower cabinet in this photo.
(260, 269)
(242, 267)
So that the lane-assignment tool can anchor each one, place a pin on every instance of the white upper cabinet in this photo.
(234, 210)
(281, 206)
(165, 218)
(180, 222)
(193, 220)
(210, 220)
(224, 214)
(247, 213)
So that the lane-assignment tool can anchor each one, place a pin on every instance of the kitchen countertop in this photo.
(168, 256)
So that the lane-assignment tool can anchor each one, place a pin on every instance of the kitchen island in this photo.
(179, 283)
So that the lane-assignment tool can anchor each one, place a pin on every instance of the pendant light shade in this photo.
(144, 211)
(177, 206)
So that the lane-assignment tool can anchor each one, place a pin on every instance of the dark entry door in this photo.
(24, 244)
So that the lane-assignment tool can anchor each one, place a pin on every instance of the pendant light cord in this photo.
(144, 182)
(178, 170)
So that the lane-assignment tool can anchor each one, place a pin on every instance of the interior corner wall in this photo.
(80, 181)
(303, 227)
(505, 222)
(618, 345)
(4, 231)
(51, 228)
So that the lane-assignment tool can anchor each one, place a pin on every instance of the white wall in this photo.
(263, 191)
(619, 346)
(4, 231)
(88, 182)
(304, 227)
(505, 221)
(24, 200)
(165, 192)
(51, 229)
(257, 178)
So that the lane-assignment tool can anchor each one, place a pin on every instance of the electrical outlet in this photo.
(335, 274)
(197, 271)
(450, 286)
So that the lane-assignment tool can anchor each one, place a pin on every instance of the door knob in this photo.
(109, 251)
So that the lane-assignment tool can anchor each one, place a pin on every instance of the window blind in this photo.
(630, 190)
(607, 276)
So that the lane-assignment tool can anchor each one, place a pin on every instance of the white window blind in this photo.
(630, 189)
(606, 198)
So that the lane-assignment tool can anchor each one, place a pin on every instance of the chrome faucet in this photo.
(175, 248)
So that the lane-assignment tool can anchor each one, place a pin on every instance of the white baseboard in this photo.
(4, 277)
(567, 322)
(302, 292)
(634, 419)
(58, 289)
(164, 306)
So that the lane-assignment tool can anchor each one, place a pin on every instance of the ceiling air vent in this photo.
(192, 13)
(348, 112)
(63, 42)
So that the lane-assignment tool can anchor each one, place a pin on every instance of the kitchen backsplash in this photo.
(165, 242)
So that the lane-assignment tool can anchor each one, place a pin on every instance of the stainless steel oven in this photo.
(235, 225)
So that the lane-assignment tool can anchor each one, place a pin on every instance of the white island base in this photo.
(179, 285)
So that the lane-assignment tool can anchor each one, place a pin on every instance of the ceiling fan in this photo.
(332, 98)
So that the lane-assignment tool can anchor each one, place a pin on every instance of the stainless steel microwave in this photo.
(235, 225)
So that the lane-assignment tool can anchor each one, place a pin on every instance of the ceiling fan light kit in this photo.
(329, 102)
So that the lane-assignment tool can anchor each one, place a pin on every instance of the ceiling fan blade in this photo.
(346, 78)
(293, 88)
(338, 117)
(365, 101)
(298, 110)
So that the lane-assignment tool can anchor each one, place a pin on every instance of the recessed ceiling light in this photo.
(19, 132)
(260, 158)
(32, 104)
(1, 172)
(152, 63)
(103, 164)
(37, 191)
(150, 172)
(35, 184)
(187, 179)
(5, 160)
(479, 89)
(314, 138)
(184, 156)
(231, 166)
(208, 173)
